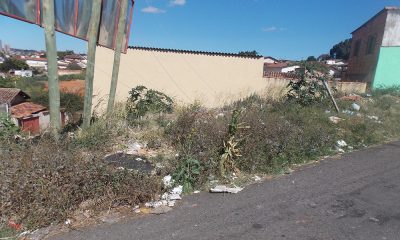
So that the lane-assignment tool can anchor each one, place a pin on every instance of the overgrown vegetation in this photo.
(45, 181)
(143, 101)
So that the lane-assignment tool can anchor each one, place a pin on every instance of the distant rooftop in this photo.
(378, 14)
(193, 52)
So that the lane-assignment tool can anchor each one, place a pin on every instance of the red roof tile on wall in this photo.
(26, 109)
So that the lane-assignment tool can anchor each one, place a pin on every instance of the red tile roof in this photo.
(26, 109)
(7, 95)
(276, 65)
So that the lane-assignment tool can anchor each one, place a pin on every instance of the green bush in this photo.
(143, 101)
(7, 128)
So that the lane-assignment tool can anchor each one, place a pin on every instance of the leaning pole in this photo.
(91, 57)
(52, 72)
(117, 55)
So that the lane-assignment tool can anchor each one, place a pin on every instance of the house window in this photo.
(357, 46)
(371, 45)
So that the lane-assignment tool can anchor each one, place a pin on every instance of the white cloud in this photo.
(153, 10)
(177, 2)
(270, 29)
(273, 29)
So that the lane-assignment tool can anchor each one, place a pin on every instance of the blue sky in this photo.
(290, 29)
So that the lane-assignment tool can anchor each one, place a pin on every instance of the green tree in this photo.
(249, 53)
(13, 64)
(74, 66)
(62, 54)
(324, 57)
(311, 59)
(6, 83)
(341, 50)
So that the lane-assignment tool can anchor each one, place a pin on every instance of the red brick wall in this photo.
(362, 67)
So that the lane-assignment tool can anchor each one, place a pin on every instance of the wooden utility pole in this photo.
(91, 57)
(52, 71)
(117, 54)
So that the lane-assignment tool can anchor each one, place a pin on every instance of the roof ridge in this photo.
(194, 52)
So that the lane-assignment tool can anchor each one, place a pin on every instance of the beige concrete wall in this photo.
(213, 80)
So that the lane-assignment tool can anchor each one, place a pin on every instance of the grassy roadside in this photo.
(46, 181)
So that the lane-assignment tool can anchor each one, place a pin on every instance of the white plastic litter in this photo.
(355, 107)
(341, 144)
(225, 189)
(256, 178)
(335, 120)
(167, 180)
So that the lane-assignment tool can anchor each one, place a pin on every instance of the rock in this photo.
(225, 189)
(355, 107)
(160, 210)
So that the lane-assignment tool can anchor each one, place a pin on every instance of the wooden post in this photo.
(52, 71)
(117, 55)
(331, 95)
(91, 57)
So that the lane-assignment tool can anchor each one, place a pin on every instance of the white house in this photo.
(35, 62)
(23, 73)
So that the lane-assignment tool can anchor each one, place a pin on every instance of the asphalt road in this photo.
(354, 197)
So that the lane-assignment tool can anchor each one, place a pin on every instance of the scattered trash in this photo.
(136, 209)
(126, 161)
(225, 189)
(350, 113)
(134, 148)
(177, 190)
(339, 149)
(341, 143)
(167, 180)
(375, 118)
(171, 203)
(355, 107)
(160, 210)
(352, 97)
(155, 204)
(196, 192)
(68, 222)
(256, 178)
(14, 225)
(111, 218)
(373, 219)
(335, 120)
(289, 171)
(327, 111)
(220, 115)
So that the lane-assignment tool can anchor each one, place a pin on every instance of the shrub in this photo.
(142, 101)
(309, 89)
(45, 182)
(7, 128)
